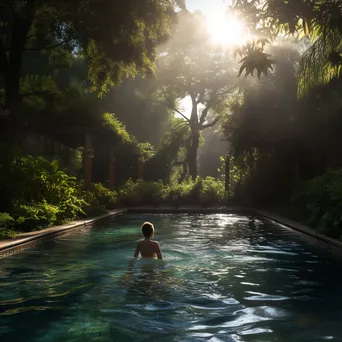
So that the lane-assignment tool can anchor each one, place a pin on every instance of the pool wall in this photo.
(10, 247)
(333, 245)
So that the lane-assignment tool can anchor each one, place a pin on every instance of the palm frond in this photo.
(321, 63)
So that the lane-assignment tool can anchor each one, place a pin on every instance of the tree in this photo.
(117, 38)
(319, 20)
(168, 163)
(209, 156)
(263, 131)
(146, 120)
(190, 65)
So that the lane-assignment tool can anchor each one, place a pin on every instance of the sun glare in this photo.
(225, 29)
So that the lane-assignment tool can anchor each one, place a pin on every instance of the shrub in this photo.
(35, 215)
(35, 180)
(95, 210)
(104, 196)
(181, 193)
(39, 194)
(128, 194)
(89, 197)
(207, 192)
(6, 226)
(60, 190)
(150, 192)
(98, 200)
(134, 193)
(6, 220)
(211, 191)
(320, 202)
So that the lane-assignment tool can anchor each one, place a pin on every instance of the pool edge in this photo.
(332, 244)
(13, 247)
(20, 244)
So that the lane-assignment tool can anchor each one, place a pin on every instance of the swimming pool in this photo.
(225, 277)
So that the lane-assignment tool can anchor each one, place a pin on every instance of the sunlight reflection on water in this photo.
(224, 278)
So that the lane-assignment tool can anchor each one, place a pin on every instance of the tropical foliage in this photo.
(319, 21)
(207, 192)
(75, 71)
(191, 66)
(319, 201)
(36, 193)
(112, 45)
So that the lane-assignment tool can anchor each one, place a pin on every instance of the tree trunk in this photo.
(192, 153)
(192, 148)
(184, 172)
(20, 29)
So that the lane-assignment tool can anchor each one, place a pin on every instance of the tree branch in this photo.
(200, 97)
(48, 47)
(47, 33)
(204, 113)
(227, 91)
(175, 109)
(193, 97)
(213, 123)
(37, 93)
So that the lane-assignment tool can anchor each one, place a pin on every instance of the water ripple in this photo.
(264, 296)
(84, 287)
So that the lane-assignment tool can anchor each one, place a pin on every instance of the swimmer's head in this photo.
(148, 230)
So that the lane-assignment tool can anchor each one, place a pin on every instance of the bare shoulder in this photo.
(156, 243)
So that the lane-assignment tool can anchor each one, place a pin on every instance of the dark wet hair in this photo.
(147, 229)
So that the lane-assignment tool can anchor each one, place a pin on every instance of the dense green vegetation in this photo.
(85, 92)
(51, 197)
(205, 192)
(286, 128)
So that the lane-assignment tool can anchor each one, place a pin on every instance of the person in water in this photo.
(147, 247)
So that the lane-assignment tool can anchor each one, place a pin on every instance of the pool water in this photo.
(224, 278)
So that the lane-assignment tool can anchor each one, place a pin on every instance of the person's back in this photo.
(147, 247)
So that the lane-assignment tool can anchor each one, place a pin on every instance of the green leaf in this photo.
(243, 67)
(54, 166)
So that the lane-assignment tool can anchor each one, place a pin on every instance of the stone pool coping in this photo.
(332, 244)
(31, 239)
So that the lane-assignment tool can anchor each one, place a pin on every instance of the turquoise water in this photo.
(224, 278)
